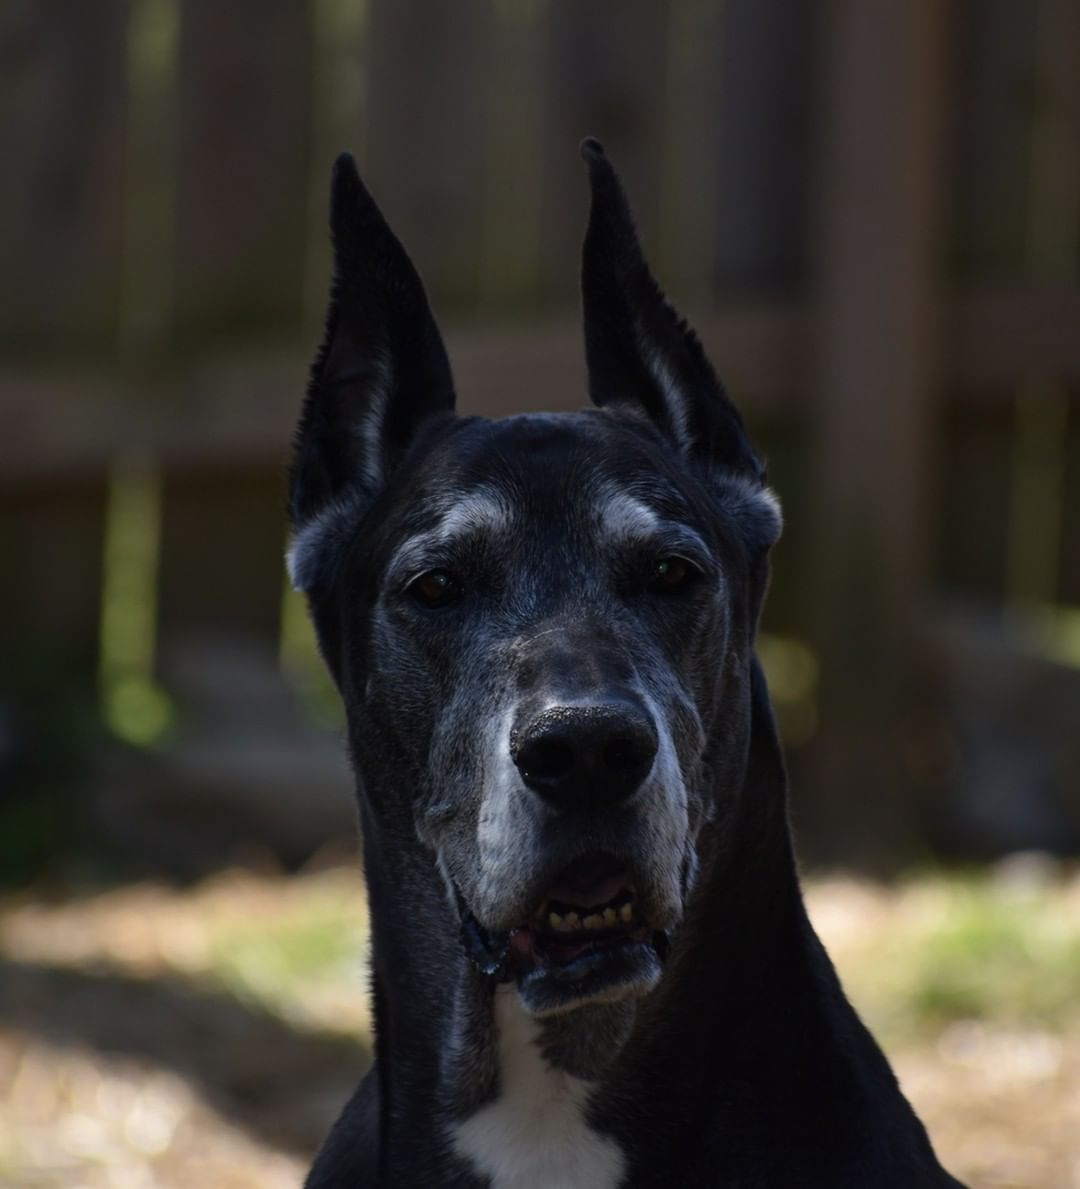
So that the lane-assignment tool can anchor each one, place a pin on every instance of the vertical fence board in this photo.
(338, 87)
(608, 79)
(511, 234)
(995, 66)
(689, 173)
(762, 134)
(50, 576)
(877, 274)
(1069, 586)
(1052, 226)
(242, 189)
(975, 452)
(222, 543)
(427, 133)
(62, 92)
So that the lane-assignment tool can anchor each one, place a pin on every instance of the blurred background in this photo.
(871, 212)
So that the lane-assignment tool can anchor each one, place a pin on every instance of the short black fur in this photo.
(742, 1064)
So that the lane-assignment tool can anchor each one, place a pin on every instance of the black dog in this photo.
(591, 962)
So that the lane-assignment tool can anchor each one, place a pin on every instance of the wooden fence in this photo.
(870, 209)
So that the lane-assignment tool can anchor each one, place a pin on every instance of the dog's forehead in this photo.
(575, 467)
(530, 447)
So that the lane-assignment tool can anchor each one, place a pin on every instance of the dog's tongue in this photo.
(589, 881)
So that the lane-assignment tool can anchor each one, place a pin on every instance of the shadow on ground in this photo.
(282, 1085)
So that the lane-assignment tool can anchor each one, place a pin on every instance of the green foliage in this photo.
(970, 947)
(998, 956)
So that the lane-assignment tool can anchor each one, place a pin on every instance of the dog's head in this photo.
(541, 627)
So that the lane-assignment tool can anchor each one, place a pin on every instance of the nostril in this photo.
(627, 754)
(546, 760)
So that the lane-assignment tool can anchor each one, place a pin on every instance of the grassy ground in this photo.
(152, 1037)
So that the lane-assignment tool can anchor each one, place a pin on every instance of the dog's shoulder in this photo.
(350, 1154)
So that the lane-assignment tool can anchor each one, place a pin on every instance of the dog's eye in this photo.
(436, 588)
(670, 574)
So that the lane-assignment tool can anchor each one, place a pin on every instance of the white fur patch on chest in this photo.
(534, 1134)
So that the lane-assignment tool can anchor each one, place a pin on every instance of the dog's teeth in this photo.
(554, 920)
(572, 919)
(594, 921)
(627, 912)
(610, 916)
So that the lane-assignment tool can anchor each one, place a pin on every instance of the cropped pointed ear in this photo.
(380, 373)
(642, 355)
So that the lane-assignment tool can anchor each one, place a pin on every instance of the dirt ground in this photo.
(151, 1037)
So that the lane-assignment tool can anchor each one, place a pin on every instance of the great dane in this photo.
(591, 964)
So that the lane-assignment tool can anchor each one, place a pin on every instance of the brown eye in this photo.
(670, 574)
(435, 589)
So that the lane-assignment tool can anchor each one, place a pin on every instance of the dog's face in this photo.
(541, 627)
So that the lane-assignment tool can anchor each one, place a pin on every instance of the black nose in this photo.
(585, 756)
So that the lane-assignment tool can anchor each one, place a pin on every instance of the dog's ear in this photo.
(642, 356)
(380, 373)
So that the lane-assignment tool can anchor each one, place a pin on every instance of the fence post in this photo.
(242, 201)
(761, 121)
(245, 114)
(427, 124)
(608, 78)
(876, 246)
(63, 92)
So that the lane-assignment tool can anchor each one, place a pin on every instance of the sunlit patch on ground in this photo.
(70, 1118)
(295, 947)
(159, 1037)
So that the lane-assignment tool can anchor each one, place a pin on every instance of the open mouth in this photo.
(588, 940)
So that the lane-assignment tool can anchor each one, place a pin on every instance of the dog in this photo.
(591, 963)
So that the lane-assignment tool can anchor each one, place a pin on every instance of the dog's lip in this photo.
(626, 967)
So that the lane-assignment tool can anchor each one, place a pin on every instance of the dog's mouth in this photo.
(589, 940)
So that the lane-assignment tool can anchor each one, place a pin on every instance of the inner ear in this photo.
(641, 354)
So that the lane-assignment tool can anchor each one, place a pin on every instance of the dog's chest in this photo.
(535, 1135)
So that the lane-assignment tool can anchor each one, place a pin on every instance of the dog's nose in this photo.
(585, 756)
